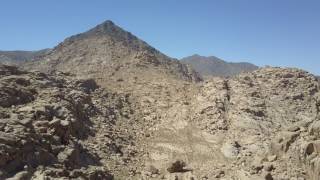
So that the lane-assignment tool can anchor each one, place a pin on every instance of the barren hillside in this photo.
(105, 105)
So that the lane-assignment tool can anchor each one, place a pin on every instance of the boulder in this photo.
(177, 166)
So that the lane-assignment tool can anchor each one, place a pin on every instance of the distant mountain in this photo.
(17, 57)
(110, 54)
(213, 66)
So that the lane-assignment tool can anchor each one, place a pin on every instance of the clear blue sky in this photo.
(273, 32)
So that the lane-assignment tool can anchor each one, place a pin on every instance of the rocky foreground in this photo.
(52, 126)
(260, 125)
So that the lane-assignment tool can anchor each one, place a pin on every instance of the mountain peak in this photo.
(108, 22)
(104, 49)
(195, 55)
(106, 26)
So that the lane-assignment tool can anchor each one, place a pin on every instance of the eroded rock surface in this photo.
(47, 122)
(260, 125)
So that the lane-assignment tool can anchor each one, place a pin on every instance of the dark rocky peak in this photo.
(109, 30)
(105, 28)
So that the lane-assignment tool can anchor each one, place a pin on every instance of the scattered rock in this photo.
(220, 174)
(231, 149)
(177, 166)
(268, 167)
(268, 176)
(272, 158)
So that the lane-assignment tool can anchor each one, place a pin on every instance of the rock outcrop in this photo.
(48, 122)
(266, 119)
(259, 125)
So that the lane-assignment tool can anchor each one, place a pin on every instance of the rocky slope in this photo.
(122, 110)
(260, 125)
(57, 127)
(266, 120)
(213, 66)
(19, 57)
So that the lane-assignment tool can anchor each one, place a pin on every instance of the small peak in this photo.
(109, 29)
(105, 28)
(196, 55)
(107, 23)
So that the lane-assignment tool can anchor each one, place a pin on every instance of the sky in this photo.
(264, 32)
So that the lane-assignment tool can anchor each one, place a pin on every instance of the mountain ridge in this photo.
(213, 66)
(18, 57)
